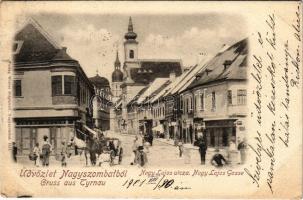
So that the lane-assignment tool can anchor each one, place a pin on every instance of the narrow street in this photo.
(161, 154)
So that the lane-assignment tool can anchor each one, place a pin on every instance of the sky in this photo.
(94, 39)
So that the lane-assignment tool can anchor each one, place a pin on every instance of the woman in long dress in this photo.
(37, 152)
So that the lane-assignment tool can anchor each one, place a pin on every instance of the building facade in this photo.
(101, 102)
(51, 91)
(219, 99)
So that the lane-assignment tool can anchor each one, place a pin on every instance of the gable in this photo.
(36, 47)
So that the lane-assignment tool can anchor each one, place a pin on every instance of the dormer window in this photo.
(131, 54)
(17, 46)
(227, 63)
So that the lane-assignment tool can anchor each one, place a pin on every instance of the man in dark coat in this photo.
(218, 160)
(202, 150)
(15, 151)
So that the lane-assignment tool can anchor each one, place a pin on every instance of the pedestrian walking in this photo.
(119, 152)
(135, 149)
(181, 148)
(64, 154)
(202, 150)
(150, 138)
(14, 151)
(242, 148)
(37, 153)
(46, 150)
(141, 156)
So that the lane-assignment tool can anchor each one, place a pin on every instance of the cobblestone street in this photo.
(162, 153)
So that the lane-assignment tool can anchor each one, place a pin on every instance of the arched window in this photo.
(131, 54)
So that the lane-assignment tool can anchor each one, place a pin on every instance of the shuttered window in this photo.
(241, 97)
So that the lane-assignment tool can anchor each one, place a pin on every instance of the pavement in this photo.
(163, 153)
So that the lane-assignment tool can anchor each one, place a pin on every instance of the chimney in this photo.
(172, 76)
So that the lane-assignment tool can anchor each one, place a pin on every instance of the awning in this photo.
(90, 130)
(159, 128)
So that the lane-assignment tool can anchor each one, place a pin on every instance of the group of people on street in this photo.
(42, 154)
(140, 156)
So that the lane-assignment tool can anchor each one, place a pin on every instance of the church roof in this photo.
(130, 35)
(230, 64)
(117, 76)
(155, 68)
(99, 81)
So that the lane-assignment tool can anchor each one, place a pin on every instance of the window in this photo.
(196, 102)
(131, 54)
(191, 104)
(187, 105)
(56, 85)
(241, 97)
(229, 97)
(17, 46)
(202, 101)
(69, 85)
(213, 100)
(17, 88)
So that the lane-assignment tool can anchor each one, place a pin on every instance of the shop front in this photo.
(221, 135)
(30, 132)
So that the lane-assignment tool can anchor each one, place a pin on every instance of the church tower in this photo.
(131, 47)
(117, 80)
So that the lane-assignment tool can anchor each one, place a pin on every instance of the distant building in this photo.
(101, 102)
(51, 91)
(137, 74)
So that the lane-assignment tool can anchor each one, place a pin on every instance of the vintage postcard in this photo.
(151, 99)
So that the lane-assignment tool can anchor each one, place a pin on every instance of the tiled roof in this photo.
(151, 69)
(230, 64)
(137, 96)
(148, 92)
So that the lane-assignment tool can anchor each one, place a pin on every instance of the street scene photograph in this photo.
(137, 90)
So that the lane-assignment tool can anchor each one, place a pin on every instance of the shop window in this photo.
(131, 54)
(56, 85)
(213, 101)
(229, 97)
(17, 88)
(212, 138)
(241, 97)
(225, 138)
(69, 85)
